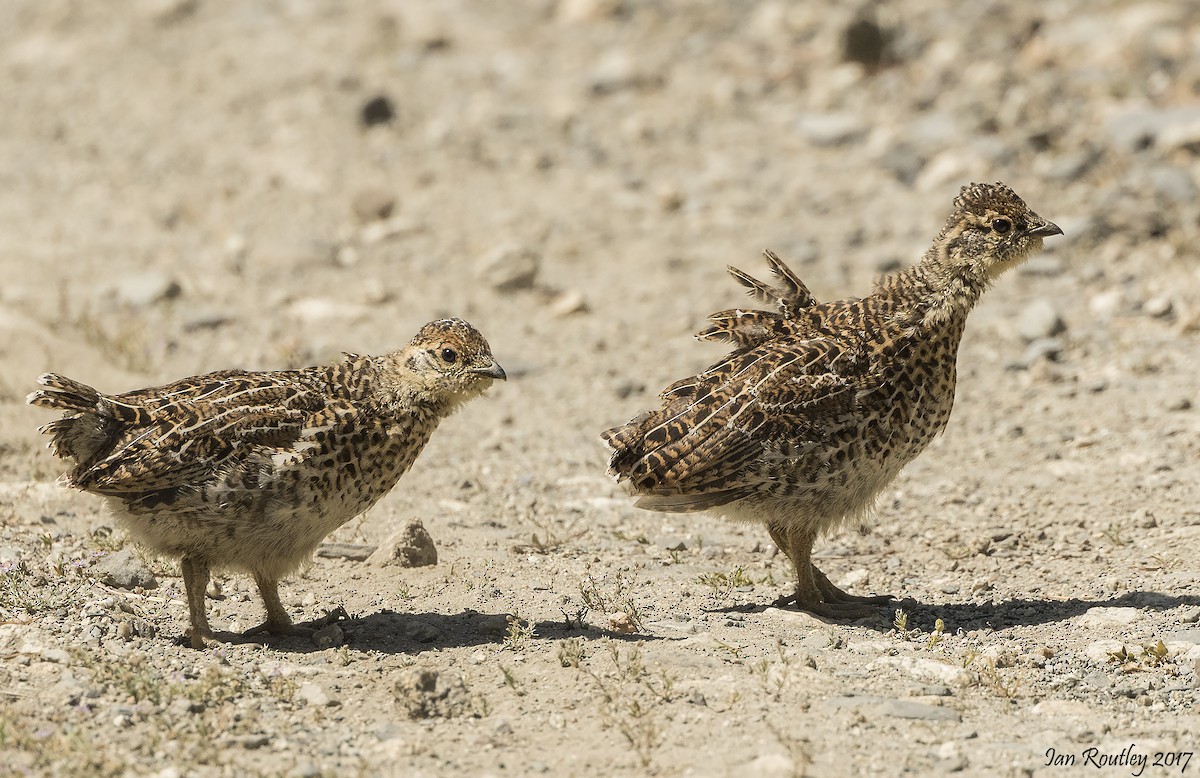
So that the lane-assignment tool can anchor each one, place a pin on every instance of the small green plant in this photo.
(631, 695)
(1115, 532)
(1150, 656)
(617, 599)
(570, 652)
(519, 633)
(510, 680)
(991, 677)
(935, 637)
(723, 584)
(1156, 654)
(900, 622)
(551, 539)
(576, 619)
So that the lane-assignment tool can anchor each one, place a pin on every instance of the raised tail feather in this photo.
(791, 295)
(748, 328)
(64, 393)
(90, 419)
(67, 394)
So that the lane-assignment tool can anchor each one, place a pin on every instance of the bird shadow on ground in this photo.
(389, 632)
(996, 616)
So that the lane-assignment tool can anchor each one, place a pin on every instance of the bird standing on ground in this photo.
(250, 471)
(820, 405)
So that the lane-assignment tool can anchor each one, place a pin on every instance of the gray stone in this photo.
(908, 709)
(355, 552)
(1142, 128)
(329, 636)
(830, 129)
(1071, 165)
(510, 268)
(1042, 348)
(372, 204)
(144, 289)
(125, 570)
(1040, 319)
(410, 547)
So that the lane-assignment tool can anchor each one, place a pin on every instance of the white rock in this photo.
(930, 669)
(855, 578)
(1110, 617)
(316, 695)
(1100, 652)
(768, 765)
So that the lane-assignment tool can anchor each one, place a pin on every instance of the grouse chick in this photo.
(251, 470)
(820, 405)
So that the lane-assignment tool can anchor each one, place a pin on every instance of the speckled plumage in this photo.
(251, 470)
(820, 405)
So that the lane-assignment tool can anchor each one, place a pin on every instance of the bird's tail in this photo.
(90, 418)
(64, 394)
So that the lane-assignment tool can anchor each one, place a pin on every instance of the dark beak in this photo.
(492, 371)
(1045, 230)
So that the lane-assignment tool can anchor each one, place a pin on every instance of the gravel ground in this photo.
(189, 185)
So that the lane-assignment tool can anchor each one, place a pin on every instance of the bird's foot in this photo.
(200, 638)
(837, 611)
(832, 594)
(305, 629)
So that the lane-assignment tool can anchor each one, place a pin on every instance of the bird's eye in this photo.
(1001, 226)
(449, 356)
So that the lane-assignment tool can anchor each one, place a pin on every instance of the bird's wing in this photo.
(186, 431)
(699, 449)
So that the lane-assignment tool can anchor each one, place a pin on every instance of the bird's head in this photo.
(449, 362)
(992, 230)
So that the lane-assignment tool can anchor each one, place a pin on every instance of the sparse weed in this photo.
(1156, 654)
(519, 633)
(510, 680)
(1115, 532)
(618, 599)
(723, 584)
(551, 538)
(935, 637)
(1150, 656)
(570, 652)
(631, 695)
(991, 677)
(25, 592)
(575, 620)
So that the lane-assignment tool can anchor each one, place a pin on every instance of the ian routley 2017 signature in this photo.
(1127, 757)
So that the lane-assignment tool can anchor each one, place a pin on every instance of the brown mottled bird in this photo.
(250, 471)
(820, 405)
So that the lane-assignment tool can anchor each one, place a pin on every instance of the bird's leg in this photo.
(832, 593)
(797, 542)
(278, 621)
(195, 583)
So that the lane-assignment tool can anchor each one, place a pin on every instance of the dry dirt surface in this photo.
(188, 185)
